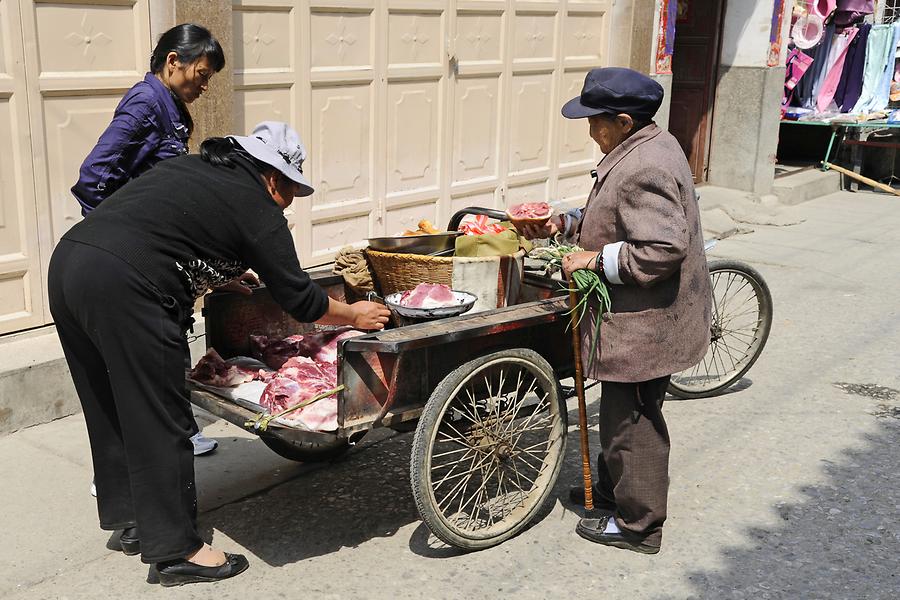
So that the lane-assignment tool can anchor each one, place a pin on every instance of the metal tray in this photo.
(416, 244)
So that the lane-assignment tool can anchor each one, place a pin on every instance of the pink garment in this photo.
(833, 77)
(797, 63)
(823, 8)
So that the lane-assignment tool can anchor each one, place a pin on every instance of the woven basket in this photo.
(397, 272)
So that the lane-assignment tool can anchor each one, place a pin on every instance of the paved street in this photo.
(786, 488)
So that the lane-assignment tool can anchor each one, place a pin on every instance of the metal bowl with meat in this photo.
(430, 301)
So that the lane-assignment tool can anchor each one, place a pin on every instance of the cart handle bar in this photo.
(458, 216)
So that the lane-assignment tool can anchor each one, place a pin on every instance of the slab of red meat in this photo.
(308, 374)
(529, 210)
(428, 295)
(212, 369)
(281, 393)
(273, 351)
(299, 379)
(321, 346)
(307, 365)
(328, 352)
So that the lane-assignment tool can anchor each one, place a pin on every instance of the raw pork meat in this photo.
(320, 346)
(213, 370)
(275, 352)
(428, 295)
(282, 393)
(529, 210)
(308, 374)
(328, 352)
(299, 379)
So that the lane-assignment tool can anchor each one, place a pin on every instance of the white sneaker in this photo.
(93, 489)
(203, 445)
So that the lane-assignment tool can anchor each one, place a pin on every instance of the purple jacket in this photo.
(146, 128)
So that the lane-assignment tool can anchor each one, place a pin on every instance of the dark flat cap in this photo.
(615, 90)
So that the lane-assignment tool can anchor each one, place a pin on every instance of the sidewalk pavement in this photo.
(785, 488)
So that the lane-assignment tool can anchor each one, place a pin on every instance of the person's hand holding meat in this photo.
(369, 315)
(581, 260)
(532, 231)
(361, 315)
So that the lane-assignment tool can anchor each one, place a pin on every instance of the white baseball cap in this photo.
(277, 144)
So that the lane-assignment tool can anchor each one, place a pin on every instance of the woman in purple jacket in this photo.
(152, 123)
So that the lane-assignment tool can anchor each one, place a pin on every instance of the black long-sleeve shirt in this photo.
(187, 225)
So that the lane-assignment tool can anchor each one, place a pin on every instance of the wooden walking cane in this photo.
(582, 409)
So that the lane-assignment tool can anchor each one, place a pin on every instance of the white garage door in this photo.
(63, 68)
(414, 109)
(20, 272)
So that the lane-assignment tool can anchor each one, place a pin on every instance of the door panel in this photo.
(20, 271)
(21, 303)
(412, 109)
(694, 66)
(85, 55)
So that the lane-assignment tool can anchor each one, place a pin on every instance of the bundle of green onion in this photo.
(587, 282)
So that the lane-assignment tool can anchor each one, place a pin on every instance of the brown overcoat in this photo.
(660, 317)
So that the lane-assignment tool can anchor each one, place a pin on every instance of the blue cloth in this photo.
(880, 49)
(148, 126)
(850, 87)
(883, 92)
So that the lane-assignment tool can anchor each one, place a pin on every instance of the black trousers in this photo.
(123, 340)
(633, 468)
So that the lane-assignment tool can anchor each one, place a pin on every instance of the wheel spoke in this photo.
(447, 454)
(460, 485)
(451, 477)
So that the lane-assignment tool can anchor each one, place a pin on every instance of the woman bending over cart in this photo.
(122, 287)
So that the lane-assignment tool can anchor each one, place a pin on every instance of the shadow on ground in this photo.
(842, 541)
(364, 495)
(361, 496)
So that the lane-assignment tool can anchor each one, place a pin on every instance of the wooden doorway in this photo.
(695, 63)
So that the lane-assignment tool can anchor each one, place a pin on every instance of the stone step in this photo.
(35, 384)
(804, 185)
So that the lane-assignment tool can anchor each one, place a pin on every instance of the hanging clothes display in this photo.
(880, 51)
(850, 86)
(883, 91)
(837, 46)
(805, 89)
(836, 58)
(795, 66)
(848, 12)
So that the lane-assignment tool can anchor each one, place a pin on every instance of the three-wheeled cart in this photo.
(483, 388)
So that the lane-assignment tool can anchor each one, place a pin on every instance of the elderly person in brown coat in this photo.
(641, 229)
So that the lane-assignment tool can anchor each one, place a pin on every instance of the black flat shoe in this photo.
(180, 572)
(593, 531)
(576, 496)
(130, 542)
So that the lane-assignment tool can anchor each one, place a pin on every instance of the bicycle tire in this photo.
(705, 379)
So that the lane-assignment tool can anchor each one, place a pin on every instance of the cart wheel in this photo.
(488, 448)
(305, 451)
(741, 319)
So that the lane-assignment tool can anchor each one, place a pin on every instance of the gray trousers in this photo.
(633, 468)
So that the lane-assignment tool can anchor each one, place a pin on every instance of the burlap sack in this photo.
(351, 264)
